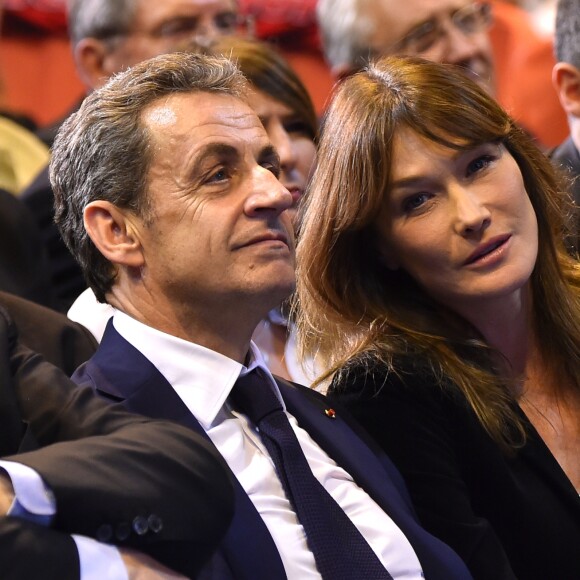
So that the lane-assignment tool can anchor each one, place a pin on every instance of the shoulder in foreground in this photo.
(368, 376)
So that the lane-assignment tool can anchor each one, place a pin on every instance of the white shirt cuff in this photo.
(98, 560)
(33, 499)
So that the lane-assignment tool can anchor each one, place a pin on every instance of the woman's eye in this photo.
(297, 126)
(415, 201)
(481, 162)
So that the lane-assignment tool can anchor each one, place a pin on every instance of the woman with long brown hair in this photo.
(434, 283)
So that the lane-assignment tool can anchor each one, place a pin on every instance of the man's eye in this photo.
(228, 21)
(272, 167)
(422, 38)
(219, 175)
(181, 27)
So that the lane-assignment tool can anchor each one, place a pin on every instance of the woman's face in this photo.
(459, 222)
(290, 136)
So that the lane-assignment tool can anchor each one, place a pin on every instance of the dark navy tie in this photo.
(340, 551)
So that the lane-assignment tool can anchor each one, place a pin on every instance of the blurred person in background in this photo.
(24, 268)
(493, 42)
(566, 78)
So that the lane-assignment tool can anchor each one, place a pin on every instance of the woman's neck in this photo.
(506, 326)
(552, 407)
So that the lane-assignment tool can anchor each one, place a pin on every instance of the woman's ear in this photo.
(115, 233)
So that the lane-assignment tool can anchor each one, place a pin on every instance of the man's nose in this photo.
(206, 33)
(267, 194)
(458, 46)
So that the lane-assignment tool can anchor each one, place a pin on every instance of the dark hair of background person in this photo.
(269, 72)
(351, 306)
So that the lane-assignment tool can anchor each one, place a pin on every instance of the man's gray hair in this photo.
(103, 151)
(567, 32)
(100, 18)
(345, 29)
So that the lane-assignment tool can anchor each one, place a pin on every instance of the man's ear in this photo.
(566, 81)
(115, 233)
(92, 57)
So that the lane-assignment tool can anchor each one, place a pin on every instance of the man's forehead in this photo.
(197, 106)
(159, 10)
(201, 116)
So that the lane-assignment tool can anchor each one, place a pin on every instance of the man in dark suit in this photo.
(189, 239)
(73, 464)
(107, 36)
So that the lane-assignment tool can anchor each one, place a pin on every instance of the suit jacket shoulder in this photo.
(62, 342)
(568, 155)
(65, 275)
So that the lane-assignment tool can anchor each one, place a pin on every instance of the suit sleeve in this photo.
(30, 551)
(116, 477)
(411, 421)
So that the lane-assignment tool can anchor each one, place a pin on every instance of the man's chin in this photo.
(275, 293)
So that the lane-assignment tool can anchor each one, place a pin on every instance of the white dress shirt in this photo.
(203, 380)
(34, 502)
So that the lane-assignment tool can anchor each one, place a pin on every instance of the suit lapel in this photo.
(379, 479)
(374, 473)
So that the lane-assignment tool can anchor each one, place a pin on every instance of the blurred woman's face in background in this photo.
(290, 136)
(459, 222)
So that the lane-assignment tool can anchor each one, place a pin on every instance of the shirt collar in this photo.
(202, 378)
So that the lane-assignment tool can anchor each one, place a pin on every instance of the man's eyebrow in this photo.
(270, 151)
(218, 150)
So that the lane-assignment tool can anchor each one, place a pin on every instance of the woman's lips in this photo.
(488, 251)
